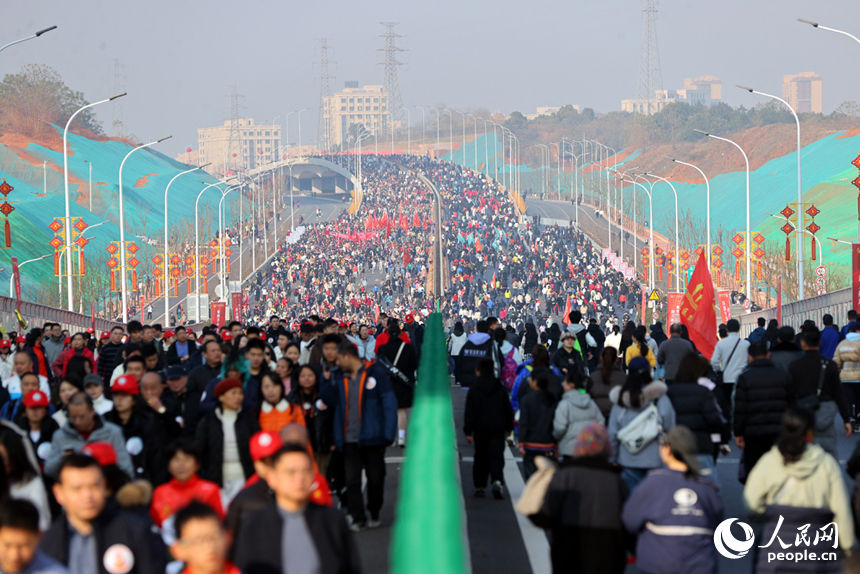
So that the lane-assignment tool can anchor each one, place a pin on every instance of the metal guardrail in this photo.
(837, 304)
(35, 315)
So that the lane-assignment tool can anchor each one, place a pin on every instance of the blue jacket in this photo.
(666, 498)
(523, 371)
(14, 407)
(829, 340)
(378, 409)
(756, 335)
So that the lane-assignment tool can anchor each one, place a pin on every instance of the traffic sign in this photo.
(747, 304)
(654, 296)
(821, 271)
(655, 316)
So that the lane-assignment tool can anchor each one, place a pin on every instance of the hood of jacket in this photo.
(852, 337)
(478, 338)
(812, 457)
(576, 328)
(487, 386)
(650, 392)
(576, 398)
(458, 330)
(789, 347)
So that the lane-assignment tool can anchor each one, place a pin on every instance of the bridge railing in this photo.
(429, 534)
(836, 303)
(35, 314)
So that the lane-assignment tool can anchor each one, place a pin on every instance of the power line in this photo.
(395, 103)
(324, 127)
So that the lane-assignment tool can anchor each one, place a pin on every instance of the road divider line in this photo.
(534, 538)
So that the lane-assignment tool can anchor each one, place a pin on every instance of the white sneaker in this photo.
(371, 523)
(401, 442)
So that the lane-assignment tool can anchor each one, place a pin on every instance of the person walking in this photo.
(762, 395)
(487, 420)
(674, 511)
(847, 358)
(671, 351)
(730, 356)
(575, 411)
(536, 423)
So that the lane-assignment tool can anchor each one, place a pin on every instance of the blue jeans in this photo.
(633, 476)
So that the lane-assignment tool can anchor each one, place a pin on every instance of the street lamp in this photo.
(749, 240)
(68, 218)
(299, 121)
(408, 135)
(475, 142)
(677, 243)
(450, 134)
(423, 129)
(437, 132)
(820, 250)
(799, 187)
(707, 207)
(167, 251)
(197, 238)
(650, 229)
(11, 293)
(36, 35)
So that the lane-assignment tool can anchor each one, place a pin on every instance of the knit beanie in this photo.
(593, 440)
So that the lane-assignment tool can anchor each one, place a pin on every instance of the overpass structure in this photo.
(312, 174)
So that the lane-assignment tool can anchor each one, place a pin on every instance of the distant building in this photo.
(257, 144)
(188, 157)
(705, 90)
(547, 111)
(803, 92)
(354, 106)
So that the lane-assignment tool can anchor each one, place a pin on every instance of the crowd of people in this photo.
(637, 435)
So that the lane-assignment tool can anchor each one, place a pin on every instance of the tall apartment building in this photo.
(803, 92)
(705, 90)
(366, 106)
(257, 144)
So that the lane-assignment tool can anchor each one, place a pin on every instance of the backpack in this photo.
(642, 430)
(509, 371)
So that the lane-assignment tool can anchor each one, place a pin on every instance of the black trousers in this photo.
(754, 448)
(371, 459)
(489, 458)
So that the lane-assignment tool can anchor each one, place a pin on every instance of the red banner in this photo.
(218, 312)
(674, 310)
(93, 313)
(855, 276)
(724, 299)
(779, 293)
(642, 316)
(357, 236)
(236, 299)
(17, 278)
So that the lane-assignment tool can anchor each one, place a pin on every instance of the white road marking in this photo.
(534, 538)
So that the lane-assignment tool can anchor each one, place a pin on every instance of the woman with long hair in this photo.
(626, 340)
(640, 348)
(797, 485)
(603, 380)
(275, 411)
(638, 392)
(283, 369)
(306, 395)
(669, 541)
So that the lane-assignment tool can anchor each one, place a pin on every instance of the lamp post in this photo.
(650, 229)
(437, 131)
(496, 150)
(463, 115)
(36, 35)
(476, 140)
(677, 243)
(749, 240)
(408, 134)
(799, 191)
(299, 121)
(486, 148)
(707, 206)
(450, 134)
(287, 127)
(820, 250)
(274, 155)
(12, 293)
(223, 265)
(123, 270)
(68, 218)
(423, 129)
(166, 250)
(543, 150)
(197, 237)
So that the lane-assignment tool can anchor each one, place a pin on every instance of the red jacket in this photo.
(174, 496)
(229, 568)
(61, 363)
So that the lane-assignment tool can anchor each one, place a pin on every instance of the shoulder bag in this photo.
(642, 430)
(813, 402)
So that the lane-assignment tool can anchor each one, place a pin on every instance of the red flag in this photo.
(494, 279)
(477, 245)
(425, 222)
(779, 301)
(416, 221)
(565, 316)
(697, 309)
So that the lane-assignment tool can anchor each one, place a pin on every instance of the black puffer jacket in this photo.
(537, 410)
(762, 394)
(209, 439)
(488, 408)
(319, 422)
(696, 408)
(142, 441)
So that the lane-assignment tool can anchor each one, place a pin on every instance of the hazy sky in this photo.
(179, 57)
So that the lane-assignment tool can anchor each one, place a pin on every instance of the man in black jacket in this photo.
(94, 535)
(762, 395)
(488, 418)
(311, 538)
(785, 351)
(109, 353)
(187, 401)
(200, 376)
(814, 374)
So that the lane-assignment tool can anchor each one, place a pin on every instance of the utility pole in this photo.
(324, 135)
(650, 79)
(395, 103)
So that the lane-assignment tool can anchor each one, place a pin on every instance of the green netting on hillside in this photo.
(429, 530)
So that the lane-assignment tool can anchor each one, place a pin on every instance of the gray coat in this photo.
(621, 415)
(574, 411)
(721, 362)
(52, 349)
(67, 438)
(670, 354)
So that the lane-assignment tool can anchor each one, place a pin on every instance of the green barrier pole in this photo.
(429, 534)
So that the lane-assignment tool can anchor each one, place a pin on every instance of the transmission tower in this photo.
(324, 127)
(650, 78)
(117, 75)
(395, 103)
(234, 142)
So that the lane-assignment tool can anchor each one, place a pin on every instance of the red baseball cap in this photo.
(21, 339)
(169, 333)
(125, 385)
(341, 324)
(265, 444)
(91, 330)
(226, 336)
(5, 344)
(103, 452)
(36, 398)
(105, 335)
(67, 340)
(410, 318)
